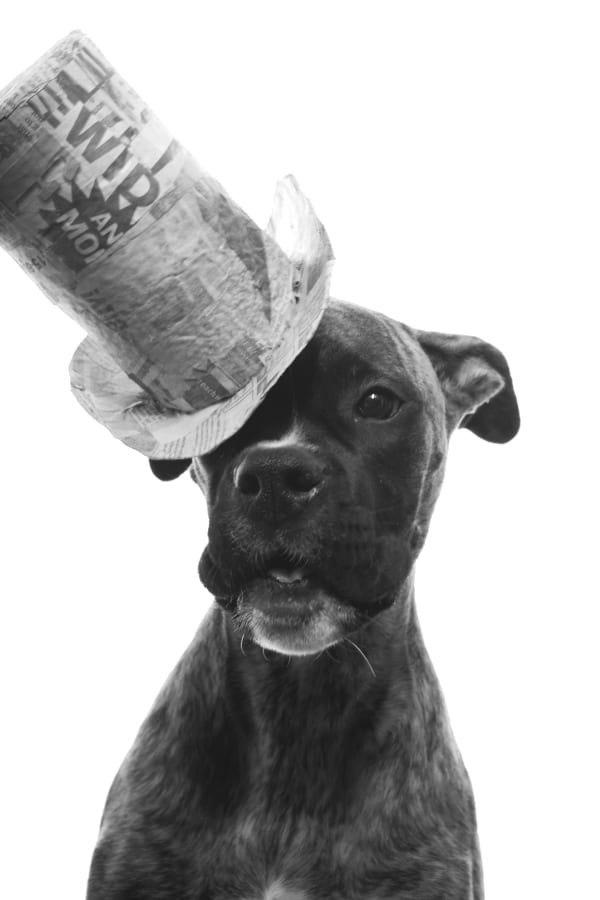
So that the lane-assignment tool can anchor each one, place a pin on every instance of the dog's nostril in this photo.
(246, 482)
(301, 480)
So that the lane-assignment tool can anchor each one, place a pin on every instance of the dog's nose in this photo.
(280, 479)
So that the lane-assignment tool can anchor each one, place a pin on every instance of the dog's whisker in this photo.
(363, 656)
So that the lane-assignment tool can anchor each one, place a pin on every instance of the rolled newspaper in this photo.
(192, 310)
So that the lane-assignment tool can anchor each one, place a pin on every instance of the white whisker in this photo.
(363, 656)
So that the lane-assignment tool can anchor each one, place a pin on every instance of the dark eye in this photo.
(378, 403)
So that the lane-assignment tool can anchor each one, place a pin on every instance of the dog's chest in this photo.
(361, 849)
(303, 859)
(273, 858)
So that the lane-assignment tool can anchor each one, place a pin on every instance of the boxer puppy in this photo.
(301, 748)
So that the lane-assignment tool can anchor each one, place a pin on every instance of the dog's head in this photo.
(320, 504)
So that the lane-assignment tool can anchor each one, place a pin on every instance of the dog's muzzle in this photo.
(285, 609)
(293, 554)
(268, 533)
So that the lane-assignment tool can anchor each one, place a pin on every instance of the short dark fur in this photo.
(263, 775)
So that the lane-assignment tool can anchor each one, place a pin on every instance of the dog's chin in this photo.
(297, 618)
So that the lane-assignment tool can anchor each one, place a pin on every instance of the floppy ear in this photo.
(476, 383)
(168, 469)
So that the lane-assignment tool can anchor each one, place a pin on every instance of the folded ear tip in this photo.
(497, 421)
(168, 469)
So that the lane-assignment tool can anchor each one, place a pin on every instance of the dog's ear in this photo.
(168, 469)
(477, 384)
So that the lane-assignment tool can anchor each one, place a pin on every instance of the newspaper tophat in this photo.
(192, 311)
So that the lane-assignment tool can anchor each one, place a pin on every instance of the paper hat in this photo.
(192, 311)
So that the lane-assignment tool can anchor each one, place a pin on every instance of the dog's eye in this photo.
(378, 403)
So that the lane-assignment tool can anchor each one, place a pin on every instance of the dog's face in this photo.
(319, 505)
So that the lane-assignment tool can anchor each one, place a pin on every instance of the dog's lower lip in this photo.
(285, 606)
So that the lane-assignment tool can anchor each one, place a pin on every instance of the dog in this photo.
(301, 748)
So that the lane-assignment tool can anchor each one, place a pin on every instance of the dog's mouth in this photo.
(296, 576)
(289, 603)
(283, 592)
(285, 605)
(287, 570)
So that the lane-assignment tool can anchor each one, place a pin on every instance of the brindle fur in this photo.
(335, 774)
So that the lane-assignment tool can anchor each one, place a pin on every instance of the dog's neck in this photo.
(268, 729)
(383, 670)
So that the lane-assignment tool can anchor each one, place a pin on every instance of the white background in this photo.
(452, 151)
